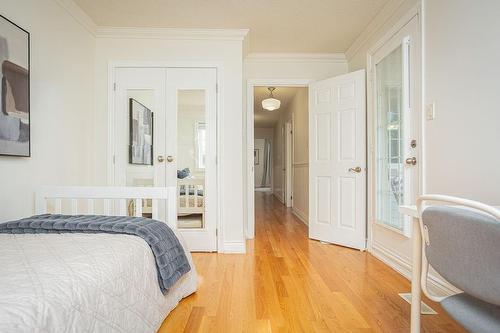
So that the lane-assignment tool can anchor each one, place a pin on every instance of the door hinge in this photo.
(114, 159)
(216, 88)
(216, 232)
(114, 86)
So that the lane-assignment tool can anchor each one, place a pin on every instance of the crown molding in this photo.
(78, 14)
(374, 26)
(171, 33)
(296, 57)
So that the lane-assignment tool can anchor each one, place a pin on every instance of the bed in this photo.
(87, 282)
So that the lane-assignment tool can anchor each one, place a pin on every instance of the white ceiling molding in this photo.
(78, 14)
(296, 57)
(375, 25)
(171, 33)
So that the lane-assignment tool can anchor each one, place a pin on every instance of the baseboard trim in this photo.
(234, 247)
(403, 266)
(300, 215)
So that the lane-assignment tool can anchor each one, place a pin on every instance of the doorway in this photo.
(285, 131)
(333, 163)
(165, 134)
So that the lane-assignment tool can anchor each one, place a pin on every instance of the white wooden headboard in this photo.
(108, 195)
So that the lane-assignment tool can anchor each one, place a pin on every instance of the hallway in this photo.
(288, 283)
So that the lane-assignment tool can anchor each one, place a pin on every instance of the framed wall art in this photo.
(15, 89)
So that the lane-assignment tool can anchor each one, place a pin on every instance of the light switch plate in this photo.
(430, 111)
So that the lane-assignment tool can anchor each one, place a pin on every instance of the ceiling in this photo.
(268, 119)
(279, 26)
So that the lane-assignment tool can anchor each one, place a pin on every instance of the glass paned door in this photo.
(396, 128)
(390, 139)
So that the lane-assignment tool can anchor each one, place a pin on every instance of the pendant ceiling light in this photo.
(271, 103)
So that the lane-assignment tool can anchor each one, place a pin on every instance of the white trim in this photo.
(297, 57)
(403, 266)
(79, 15)
(405, 233)
(250, 199)
(172, 33)
(234, 247)
(112, 65)
(400, 24)
(373, 27)
(300, 215)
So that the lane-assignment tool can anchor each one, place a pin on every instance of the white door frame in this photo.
(416, 11)
(113, 65)
(251, 84)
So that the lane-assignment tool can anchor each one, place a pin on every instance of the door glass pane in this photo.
(390, 139)
(191, 160)
(139, 148)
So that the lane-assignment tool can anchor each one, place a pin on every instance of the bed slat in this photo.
(122, 207)
(90, 206)
(114, 199)
(138, 207)
(154, 209)
(107, 207)
(57, 206)
(74, 206)
(196, 197)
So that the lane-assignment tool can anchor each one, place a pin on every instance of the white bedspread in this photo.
(83, 283)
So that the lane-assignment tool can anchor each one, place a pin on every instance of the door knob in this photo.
(170, 159)
(411, 161)
(356, 169)
(160, 159)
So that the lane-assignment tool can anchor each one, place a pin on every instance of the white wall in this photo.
(297, 111)
(462, 75)
(299, 108)
(158, 49)
(62, 99)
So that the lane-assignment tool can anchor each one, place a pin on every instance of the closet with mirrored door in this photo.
(165, 134)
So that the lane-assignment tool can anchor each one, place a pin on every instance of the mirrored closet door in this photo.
(165, 135)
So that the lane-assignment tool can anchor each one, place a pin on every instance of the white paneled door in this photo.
(165, 135)
(337, 157)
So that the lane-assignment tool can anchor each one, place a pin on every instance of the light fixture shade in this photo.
(271, 104)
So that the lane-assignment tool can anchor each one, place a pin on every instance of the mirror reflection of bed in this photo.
(191, 154)
(190, 201)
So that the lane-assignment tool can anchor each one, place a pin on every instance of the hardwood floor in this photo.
(288, 283)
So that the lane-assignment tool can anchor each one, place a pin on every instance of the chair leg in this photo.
(415, 277)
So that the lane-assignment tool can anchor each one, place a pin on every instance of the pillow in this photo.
(181, 174)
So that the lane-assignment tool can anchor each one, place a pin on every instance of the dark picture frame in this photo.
(15, 94)
(141, 122)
